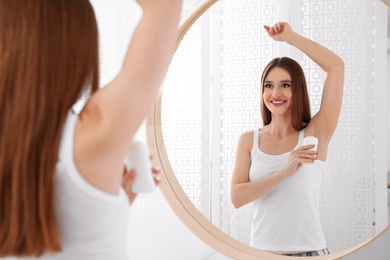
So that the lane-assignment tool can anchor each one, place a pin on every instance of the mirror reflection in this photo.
(212, 95)
(279, 166)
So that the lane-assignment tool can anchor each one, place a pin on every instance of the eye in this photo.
(286, 85)
(267, 86)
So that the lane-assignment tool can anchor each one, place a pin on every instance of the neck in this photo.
(280, 127)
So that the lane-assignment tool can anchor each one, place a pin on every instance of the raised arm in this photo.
(124, 103)
(325, 121)
(113, 114)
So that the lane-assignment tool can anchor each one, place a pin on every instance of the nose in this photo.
(276, 91)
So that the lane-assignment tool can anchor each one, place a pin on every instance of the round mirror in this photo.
(211, 95)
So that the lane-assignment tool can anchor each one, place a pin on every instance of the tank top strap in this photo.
(255, 139)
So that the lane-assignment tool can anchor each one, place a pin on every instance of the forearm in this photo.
(325, 121)
(128, 98)
(244, 193)
(153, 43)
(325, 58)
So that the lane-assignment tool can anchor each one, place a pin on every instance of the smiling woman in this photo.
(273, 169)
(347, 199)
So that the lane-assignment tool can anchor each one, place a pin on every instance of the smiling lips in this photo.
(278, 102)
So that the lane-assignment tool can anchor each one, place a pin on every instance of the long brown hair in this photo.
(300, 110)
(48, 59)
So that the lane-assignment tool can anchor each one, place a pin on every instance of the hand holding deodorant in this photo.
(137, 158)
(308, 140)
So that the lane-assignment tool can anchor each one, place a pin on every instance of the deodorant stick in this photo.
(308, 140)
(137, 158)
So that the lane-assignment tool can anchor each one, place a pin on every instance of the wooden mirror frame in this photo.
(183, 207)
(386, 2)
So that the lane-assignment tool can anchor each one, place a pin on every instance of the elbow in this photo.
(236, 204)
(339, 64)
(336, 67)
(235, 201)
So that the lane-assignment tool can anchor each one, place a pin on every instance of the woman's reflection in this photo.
(273, 168)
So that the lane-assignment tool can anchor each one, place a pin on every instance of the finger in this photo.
(157, 179)
(155, 170)
(306, 154)
(276, 28)
(132, 196)
(300, 161)
(128, 178)
(306, 147)
(268, 30)
(299, 156)
(126, 183)
(307, 160)
(131, 175)
(279, 26)
(156, 175)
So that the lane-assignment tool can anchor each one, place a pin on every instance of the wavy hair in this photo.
(48, 60)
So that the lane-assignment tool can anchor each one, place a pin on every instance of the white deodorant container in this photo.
(310, 140)
(137, 158)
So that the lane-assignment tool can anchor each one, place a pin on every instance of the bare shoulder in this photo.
(245, 141)
(246, 137)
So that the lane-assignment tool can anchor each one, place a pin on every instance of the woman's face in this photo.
(277, 94)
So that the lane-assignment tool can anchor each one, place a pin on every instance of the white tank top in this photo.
(93, 223)
(287, 217)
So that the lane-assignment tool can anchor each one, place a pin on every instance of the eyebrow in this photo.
(283, 81)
